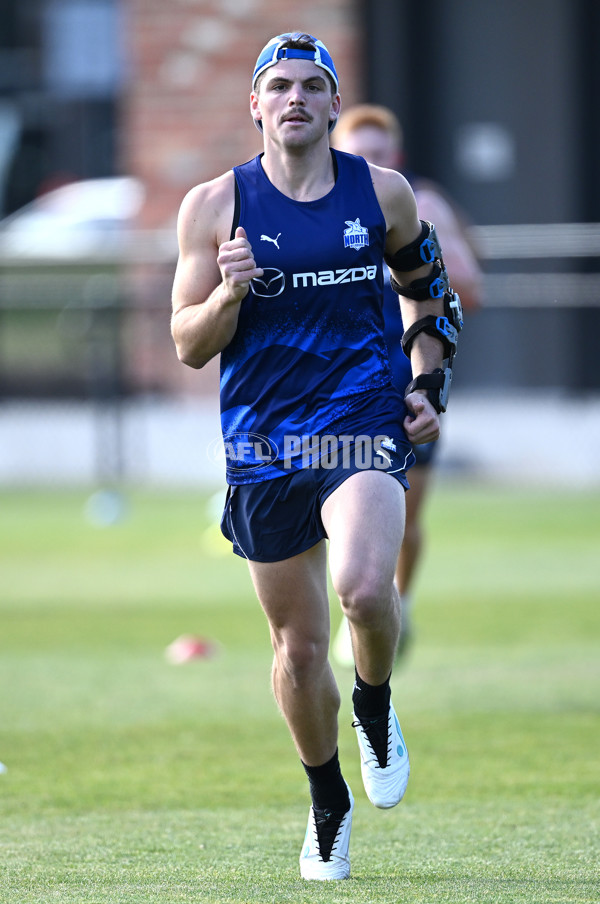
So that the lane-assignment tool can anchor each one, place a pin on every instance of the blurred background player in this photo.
(374, 132)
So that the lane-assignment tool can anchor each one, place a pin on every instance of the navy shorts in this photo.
(281, 517)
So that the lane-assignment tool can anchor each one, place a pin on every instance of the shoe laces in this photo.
(378, 735)
(327, 827)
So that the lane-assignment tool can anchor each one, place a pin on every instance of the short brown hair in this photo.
(374, 115)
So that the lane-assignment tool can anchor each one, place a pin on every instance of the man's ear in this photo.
(336, 108)
(334, 113)
(254, 108)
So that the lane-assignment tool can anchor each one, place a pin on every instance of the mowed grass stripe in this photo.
(130, 779)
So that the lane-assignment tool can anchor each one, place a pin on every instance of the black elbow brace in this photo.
(446, 329)
(425, 249)
(437, 385)
(438, 327)
(432, 286)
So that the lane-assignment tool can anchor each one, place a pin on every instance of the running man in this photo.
(281, 273)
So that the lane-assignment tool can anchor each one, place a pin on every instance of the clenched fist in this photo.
(237, 265)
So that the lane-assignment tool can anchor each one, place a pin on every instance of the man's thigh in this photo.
(364, 519)
(293, 591)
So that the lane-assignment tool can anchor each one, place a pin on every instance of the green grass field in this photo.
(129, 779)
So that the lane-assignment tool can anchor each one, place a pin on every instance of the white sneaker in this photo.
(342, 645)
(384, 759)
(325, 850)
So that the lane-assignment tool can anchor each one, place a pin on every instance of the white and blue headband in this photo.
(274, 51)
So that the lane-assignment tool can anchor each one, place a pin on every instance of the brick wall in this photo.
(186, 113)
(186, 119)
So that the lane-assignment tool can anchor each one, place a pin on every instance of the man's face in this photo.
(372, 143)
(295, 102)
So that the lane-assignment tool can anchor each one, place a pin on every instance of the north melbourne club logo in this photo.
(355, 236)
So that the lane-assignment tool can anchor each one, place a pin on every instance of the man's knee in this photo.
(300, 656)
(366, 599)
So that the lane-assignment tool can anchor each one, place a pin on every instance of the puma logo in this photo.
(267, 238)
(384, 455)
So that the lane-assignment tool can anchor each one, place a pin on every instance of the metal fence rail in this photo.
(540, 240)
(98, 325)
(569, 278)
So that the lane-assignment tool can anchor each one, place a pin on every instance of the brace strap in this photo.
(438, 327)
(437, 385)
(423, 250)
(432, 286)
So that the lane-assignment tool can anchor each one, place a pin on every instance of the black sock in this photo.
(328, 789)
(370, 700)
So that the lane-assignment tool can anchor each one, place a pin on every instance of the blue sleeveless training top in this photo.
(392, 333)
(308, 349)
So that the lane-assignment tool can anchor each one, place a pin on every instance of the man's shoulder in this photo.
(218, 189)
(389, 182)
(393, 192)
(210, 205)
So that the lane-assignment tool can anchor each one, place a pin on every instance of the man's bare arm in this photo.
(213, 273)
(403, 227)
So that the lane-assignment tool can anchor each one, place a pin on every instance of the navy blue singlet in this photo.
(308, 357)
(392, 333)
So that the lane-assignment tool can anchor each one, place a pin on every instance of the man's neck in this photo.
(301, 174)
